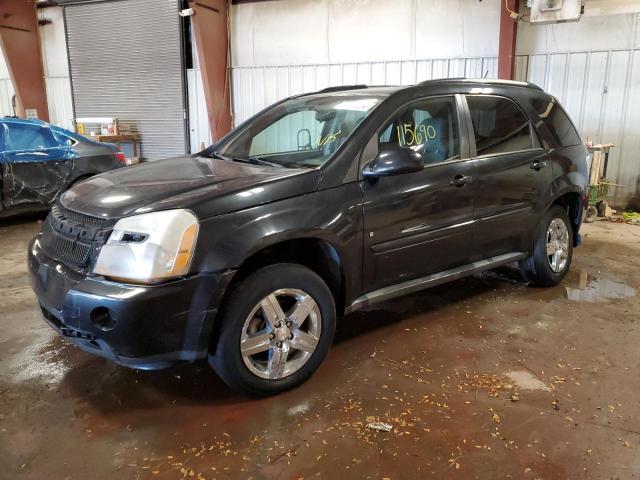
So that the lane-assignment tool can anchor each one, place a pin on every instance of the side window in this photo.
(430, 127)
(499, 125)
(28, 137)
(557, 121)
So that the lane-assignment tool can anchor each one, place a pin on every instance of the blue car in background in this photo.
(38, 161)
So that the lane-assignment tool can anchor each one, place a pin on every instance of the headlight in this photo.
(150, 247)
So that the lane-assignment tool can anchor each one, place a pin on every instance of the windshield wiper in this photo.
(255, 161)
(252, 160)
(217, 155)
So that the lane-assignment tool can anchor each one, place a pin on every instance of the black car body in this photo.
(38, 161)
(433, 182)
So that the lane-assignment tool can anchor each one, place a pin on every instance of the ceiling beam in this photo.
(20, 41)
(210, 22)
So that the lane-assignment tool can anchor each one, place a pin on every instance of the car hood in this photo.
(206, 186)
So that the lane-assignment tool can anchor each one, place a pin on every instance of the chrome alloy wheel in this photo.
(557, 245)
(281, 333)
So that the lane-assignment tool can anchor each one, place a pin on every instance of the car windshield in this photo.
(301, 132)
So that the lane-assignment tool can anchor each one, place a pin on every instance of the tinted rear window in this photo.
(499, 125)
(557, 121)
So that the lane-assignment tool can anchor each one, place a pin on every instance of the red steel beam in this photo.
(211, 28)
(507, 42)
(20, 41)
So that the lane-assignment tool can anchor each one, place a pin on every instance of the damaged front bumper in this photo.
(146, 327)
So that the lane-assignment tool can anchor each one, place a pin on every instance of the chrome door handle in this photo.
(460, 180)
(537, 165)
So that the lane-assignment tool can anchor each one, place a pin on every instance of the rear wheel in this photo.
(553, 250)
(277, 327)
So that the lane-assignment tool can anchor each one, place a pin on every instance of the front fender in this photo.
(333, 215)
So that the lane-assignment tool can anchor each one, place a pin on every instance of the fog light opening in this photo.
(101, 317)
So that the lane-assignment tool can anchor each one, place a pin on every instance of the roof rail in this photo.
(514, 83)
(341, 88)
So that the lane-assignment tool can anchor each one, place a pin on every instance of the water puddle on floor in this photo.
(595, 289)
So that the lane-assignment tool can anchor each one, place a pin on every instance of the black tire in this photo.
(537, 268)
(227, 360)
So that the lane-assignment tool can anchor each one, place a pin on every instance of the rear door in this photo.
(420, 223)
(35, 165)
(514, 175)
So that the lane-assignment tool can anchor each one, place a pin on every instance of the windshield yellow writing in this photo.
(329, 138)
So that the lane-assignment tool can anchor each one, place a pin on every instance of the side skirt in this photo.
(415, 285)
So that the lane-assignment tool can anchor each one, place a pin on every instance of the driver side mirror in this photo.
(395, 161)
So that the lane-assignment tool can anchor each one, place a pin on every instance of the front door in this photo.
(514, 176)
(35, 167)
(420, 223)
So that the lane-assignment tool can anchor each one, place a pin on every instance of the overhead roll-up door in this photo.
(126, 62)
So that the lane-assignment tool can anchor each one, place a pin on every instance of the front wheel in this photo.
(552, 251)
(277, 326)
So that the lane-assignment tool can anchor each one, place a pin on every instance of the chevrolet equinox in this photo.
(317, 206)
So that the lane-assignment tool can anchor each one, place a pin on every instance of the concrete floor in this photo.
(482, 378)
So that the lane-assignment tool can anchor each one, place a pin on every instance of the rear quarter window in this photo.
(557, 122)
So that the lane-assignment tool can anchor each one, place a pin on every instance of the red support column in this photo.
(210, 25)
(20, 42)
(507, 42)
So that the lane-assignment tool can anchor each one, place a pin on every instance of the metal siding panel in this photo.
(363, 74)
(572, 99)
(628, 170)
(439, 68)
(322, 76)
(611, 119)
(141, 84)
(556, 74)
(308, 79)
(457, 67)
(408, 76)
(349, 74)
(621, 120)
(423, 71)
(378, 73)
(537, 70)
(594, 96)
(490, 67)
(393, 73)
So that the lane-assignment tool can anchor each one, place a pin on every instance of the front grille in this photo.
(62, 213)
(74, 238)
(67, 250)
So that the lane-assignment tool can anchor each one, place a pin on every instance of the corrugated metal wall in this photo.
(600, 89)
(257, 87)
(130, 68)
(601, 92)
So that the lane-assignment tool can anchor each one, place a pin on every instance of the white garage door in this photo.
(126, 62)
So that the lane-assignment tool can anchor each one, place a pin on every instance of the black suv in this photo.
(319, 205)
